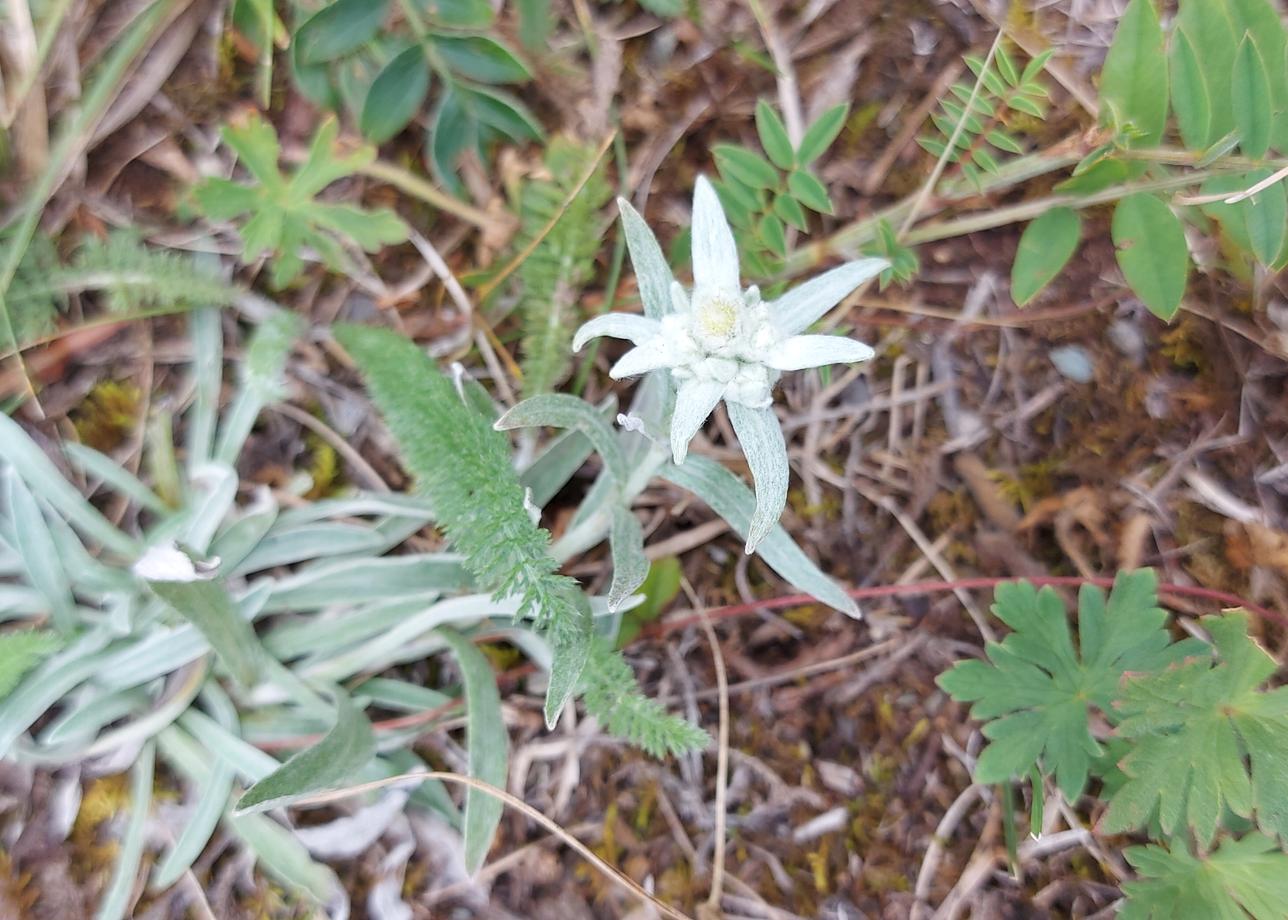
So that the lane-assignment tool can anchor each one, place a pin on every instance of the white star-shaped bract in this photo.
(723, 342)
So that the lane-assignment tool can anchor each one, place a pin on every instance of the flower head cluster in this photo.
(721, 342)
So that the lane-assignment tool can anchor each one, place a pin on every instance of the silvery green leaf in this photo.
(368, 504)
(558, 410)
(210, 783)
(694, 402)
(49, 683)
(552, 470)
(162, 651)
(247, 760)
(244, 537)
(215, 485)
(99, 466)
(207, 605)
(651, 270)
(42, 477)
(733, 501)
(629, 326)
(85, 714)
(207, 376)
(761, 439)
(116, 898)
(388, 693)
(351, 835)
(323, 634)
(261, 381)
(802, 351)
(134, 732)
(35, 544)
(804, 305)
(88, 575)
(353, 581)
(630, 565)
(407, 640)
(715, 254)
(653, 355)
(310, 541)
(488, 747)
(342, 752)
(286, 859)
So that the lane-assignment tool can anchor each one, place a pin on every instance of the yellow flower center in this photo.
(717, 316)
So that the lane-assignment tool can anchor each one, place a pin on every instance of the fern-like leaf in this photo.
(130, 275)
(988, 116)
(463, 465)
(552, 276)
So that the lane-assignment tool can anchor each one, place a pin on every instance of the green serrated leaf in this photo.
(284, 214)
(20, 651)
(1038, 691)
(1151, 251)
(1045, 248)
(1206, 739)
(1133, 81)
(1248, 874)
(773, 136)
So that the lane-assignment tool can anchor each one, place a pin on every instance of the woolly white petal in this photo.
(762, 443)
(637, 329)
(802, 351)
(715, 254)
(166, 563)
(800, 307)
(654, 354)
(651, 271)
(697, 397)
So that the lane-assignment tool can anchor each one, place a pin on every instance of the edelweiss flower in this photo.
(723, 342)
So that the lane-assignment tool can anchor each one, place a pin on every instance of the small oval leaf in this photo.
(1190, 97)
(478, 57)
(1133, 81)
(395, 96)
(1250, 98)
(1151, 252)
(773, 136)
(1045, 248)
(339, 29)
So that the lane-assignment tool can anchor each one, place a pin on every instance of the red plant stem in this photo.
(732, 611)
(934, 587)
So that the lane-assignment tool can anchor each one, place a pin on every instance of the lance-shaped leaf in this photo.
(557, 410)
(733, 501)
(342, 752)
(205, 604)
(488, 748)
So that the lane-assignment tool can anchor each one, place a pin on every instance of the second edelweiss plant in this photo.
(721, 342)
